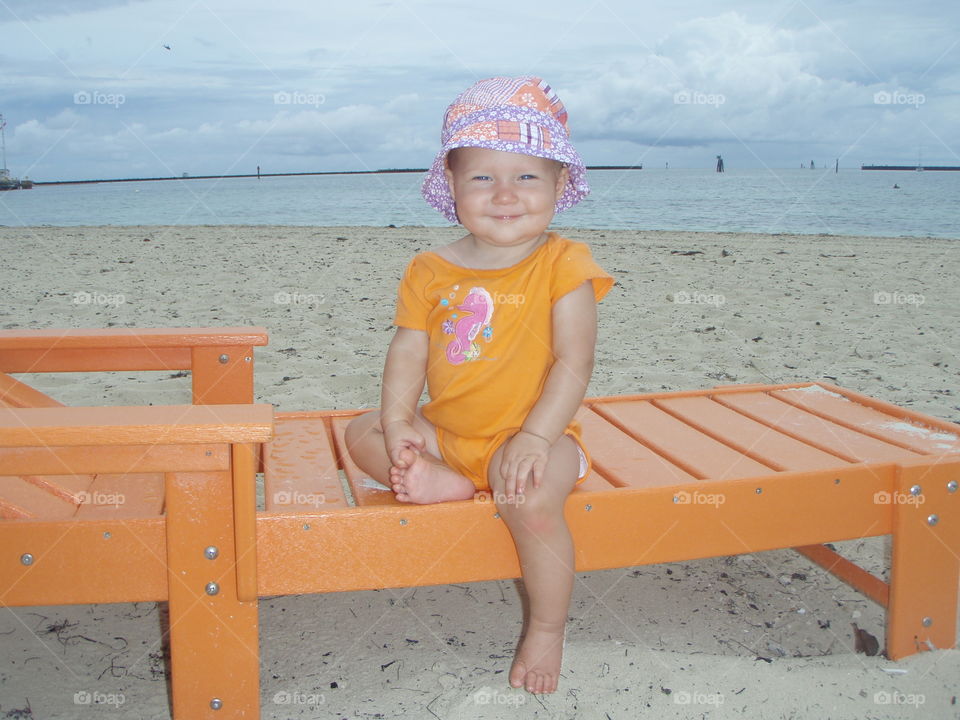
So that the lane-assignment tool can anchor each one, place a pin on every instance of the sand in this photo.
(760, 636)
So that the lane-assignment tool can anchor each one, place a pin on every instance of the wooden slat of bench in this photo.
(20, 498)
(761, 442)
(889, 428)
(66, 487)
(15, 394)
(624, 461)
(698, 454)
(300, 467)
(361, 485)
(816, 431)
(130, 495)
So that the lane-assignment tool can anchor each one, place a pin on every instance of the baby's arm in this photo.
(404, 375)
(574, 340)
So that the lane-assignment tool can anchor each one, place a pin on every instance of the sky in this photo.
(145, 88)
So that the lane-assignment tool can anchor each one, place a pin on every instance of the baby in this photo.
(501, 325)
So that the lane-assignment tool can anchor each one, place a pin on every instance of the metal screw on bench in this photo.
(915, 490)
(927, 621)
(933, 519)
(588, 508)
(952, 486)
(212, 588)
(26, 559)
(216, 704)
(211, 552)
(224, 358)
(759, 491)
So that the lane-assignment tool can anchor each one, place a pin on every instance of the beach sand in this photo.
(760, 636)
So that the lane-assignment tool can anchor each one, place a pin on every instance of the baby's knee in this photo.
(360, 428)
(531, 512)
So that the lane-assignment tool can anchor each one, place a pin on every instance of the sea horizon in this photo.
(771, 201)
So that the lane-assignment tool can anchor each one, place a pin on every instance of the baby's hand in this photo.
(401, 435)
(524, 457)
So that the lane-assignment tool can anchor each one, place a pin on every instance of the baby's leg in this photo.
(423, 478)
(545, 549)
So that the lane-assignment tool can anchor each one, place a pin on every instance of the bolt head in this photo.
(212, 588)
(216, 703)
(211, 552)
(952, 486)
(927, 621)
(933, 520)
(915, 490)
(26, 559)
(224, 359)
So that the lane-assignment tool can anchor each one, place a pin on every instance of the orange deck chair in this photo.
(676, 476)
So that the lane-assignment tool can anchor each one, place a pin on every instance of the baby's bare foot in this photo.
(424, 481)
(536, 666)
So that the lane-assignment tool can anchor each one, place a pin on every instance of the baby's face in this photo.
(504, 198)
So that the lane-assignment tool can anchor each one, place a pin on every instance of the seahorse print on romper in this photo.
(478, 306)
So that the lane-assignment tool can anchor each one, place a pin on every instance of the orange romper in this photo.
(490, 335)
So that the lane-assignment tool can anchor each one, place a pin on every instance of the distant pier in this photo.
(284, 174)
(955, 168)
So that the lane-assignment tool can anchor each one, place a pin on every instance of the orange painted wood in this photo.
(621, 527)
(214, 642)
(300, 467)
(116, 348)
(243, 477)
(895, 429)
(168, 424)
(851, 573)
(101, 338)
(891, 409)
(20, 498)
(115, 496)
(674, 440)
(101, 561)
(925, 562)
(717, 390)
(761, 442)
(66, 487)
(222, 375)
(14, 393)
(622, 460)
(51, 460)
(818, 432)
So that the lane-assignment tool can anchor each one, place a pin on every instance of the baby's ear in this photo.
(563, 176)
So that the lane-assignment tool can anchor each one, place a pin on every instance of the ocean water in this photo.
(851, 202)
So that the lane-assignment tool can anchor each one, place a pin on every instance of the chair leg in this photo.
(925, 568)
(214, 638)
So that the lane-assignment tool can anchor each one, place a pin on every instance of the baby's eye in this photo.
(528, 176)
(481, 177)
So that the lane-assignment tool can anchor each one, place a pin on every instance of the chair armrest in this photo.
(220, 359)
(150, 425)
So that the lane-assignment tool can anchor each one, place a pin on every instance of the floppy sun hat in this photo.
(520, 115)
